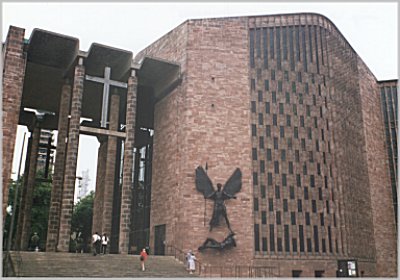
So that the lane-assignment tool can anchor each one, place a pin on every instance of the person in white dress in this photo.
(192, 263)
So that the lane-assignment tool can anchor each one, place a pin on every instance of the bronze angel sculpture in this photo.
(231, 187)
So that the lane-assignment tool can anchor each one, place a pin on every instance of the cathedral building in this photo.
(279, 108)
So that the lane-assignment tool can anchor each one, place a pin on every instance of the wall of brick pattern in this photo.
(191, 130)
(323, 82)
(13, 80)
(71, 160)
(379, 175)
(58, 175)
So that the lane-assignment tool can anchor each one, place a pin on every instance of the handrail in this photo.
(179, 255)
(207, 270)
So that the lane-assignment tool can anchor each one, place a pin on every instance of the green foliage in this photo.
(39, 211)
(82, 216)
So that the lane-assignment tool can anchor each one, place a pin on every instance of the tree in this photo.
(82, 217)
(39, 211)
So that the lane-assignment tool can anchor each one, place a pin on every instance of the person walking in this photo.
(35, 242)
(143, 257)
(104, 243)
(192, 264)
(96, 243)
(188, 256)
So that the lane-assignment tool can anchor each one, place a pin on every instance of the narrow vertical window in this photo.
(255, 204)
(285, 205)
(303, 41)
(279, 244)
(309, 246)
(266, 85)
(264, 244)
(263, 217)
(310, 43)
(261, 142)
(316, 240)
(258, 42)
(263, 192)
(278, 48)
(293, 218)
(278, 217)
(268, 131)
(252, 64)
(330, 240)
(271, 43)
(271, 238)
(286, 238)
(284, 42)
(294, 244)
(277, 192)
(255, 178)
(265, 48)
(291, 46)
(297, 43)
(253, 130)
(270, 204)
(307, 217)
(322, 46)
(256, 237)
(301, 238)
(267, 108)
(316, 48)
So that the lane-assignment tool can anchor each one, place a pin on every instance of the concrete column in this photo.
(100, 183)
(58, 177)
(30, 186)
(12, 82)
(71, 159)
(110, 166)
(127, 179)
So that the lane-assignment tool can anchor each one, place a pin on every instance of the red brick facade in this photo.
(209, 119)
(13, 80)
(285, 99)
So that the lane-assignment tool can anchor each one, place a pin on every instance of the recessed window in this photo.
(277, 192)
(293, 218)
(270, 204)
(269, 155)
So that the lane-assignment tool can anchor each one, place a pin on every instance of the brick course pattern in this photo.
(13, 80)
(285, 99)
(58, 176)
(71, 160)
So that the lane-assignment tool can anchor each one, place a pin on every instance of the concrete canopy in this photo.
(51, 59)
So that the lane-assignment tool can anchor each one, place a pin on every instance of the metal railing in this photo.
(206, 270)
(239, 271)
(179, 255)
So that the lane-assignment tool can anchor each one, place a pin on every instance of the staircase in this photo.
(49, 264)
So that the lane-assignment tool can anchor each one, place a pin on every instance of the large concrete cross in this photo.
(106, 91)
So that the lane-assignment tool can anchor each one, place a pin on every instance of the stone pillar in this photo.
(71, 159)
(22, 198)
(13, 81)
(30, 186)
(126, 192)
(58, 177)
(110, 166)
(100, 182)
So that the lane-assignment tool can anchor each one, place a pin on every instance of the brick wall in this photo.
(196, 124)
(378, 171)
(13, 80)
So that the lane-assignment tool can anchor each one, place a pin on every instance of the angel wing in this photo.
(234, 183)
(203, 182)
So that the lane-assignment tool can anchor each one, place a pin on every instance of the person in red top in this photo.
(143, 257)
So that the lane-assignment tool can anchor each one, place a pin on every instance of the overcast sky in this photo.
(370, 28)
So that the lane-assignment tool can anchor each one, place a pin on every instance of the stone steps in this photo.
(49, 264)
